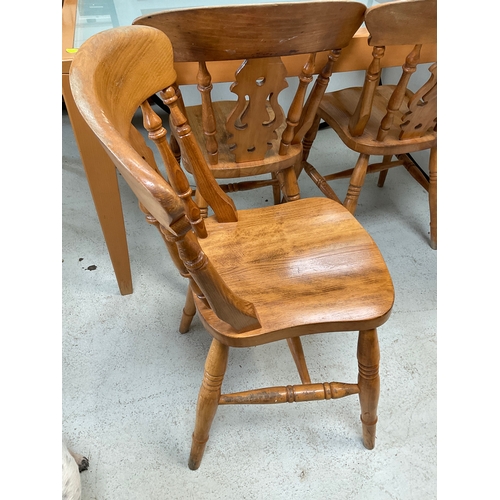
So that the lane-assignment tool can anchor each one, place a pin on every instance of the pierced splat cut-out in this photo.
(422, 109)
(253, 122)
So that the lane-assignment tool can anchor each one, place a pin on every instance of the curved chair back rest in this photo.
(260, 35)
(411, 23)
(113, 74)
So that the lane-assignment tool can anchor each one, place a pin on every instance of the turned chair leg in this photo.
(383, 173)
(290, 186)
(369, 384)
(276, 190)
(295, 346)
(208, 400)
(356, 183)
(188, 312)
(433, 195)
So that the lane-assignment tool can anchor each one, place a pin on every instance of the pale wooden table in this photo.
(99, 169)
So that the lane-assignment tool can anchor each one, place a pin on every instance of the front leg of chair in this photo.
(368, 383)
(208, 400)
(356, 183)
(433, 195)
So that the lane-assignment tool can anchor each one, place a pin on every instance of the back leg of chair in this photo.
(188, 312)
(433, 195)
(288, 183)
(295, 346)
(208, 400)
(356, 183)
(276, 190)
(368, 383)
(383, 173)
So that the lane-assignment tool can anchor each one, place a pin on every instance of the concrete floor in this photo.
(130, 380)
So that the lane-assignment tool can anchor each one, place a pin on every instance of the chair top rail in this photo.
(261, 30)
(402, 23)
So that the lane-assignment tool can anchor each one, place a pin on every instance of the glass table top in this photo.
(99, 15)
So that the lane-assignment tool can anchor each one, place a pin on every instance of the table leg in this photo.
(103, 183)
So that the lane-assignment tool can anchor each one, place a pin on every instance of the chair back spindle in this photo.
(363, 110)
(397, 97)
(209, 125)
(422, 109)
(296, 108)
(176, 177)
(222, 204)
(314, 99)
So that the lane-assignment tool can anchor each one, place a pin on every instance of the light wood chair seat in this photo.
(307, 266)
(338, 107)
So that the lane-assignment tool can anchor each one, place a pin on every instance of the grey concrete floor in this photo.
(130, 381)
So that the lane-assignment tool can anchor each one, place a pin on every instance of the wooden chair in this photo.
(386, 120)
(251, 135)
(256, 276)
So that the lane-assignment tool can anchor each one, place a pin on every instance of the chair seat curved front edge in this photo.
(325, 263)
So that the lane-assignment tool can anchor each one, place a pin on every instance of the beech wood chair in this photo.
(251, 136)
(256, 276)
(386, 120)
